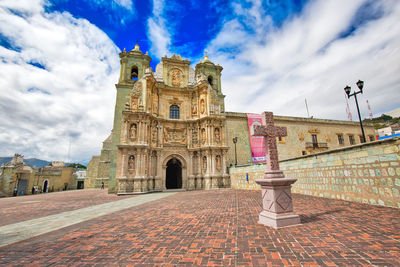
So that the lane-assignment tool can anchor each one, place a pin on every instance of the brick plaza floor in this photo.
(216, 227)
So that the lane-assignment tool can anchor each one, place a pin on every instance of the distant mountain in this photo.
(31, 162)
(4, 160)
(36, 162)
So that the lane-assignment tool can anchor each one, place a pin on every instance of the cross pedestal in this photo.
(275, 188)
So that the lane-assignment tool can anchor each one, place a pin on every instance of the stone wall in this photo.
(366, 173)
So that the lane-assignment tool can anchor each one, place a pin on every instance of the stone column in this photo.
(207, 178)
(225, 176)
(122, 180)
(158, 177)
(123, 163)
(136, 180)
(125, 135)
(190, 171)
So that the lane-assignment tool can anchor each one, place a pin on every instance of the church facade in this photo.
(169, 126)
(171, 130)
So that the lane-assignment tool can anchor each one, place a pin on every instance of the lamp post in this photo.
(235, 141)
(347, 89)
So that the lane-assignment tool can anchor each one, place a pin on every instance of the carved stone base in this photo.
(276, 220)
(277, 203)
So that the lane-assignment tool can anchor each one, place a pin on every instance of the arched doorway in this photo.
(173, 174)
(45, 186)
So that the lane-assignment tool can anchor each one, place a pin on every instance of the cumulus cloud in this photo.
(57, 83)
(158, 34)
(312, 55)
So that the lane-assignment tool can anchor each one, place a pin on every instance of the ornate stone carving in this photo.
(131, 164)
(301, 136)
(202, 106)
(195, 137)
(175, 135)
(165, 133)
(218, 162)
(176, 77)
(134, 103)
(327, 138)
(154, 134)
(133, 131)
(217, 135)
(203, 136)
(205, 164)
(194, 109)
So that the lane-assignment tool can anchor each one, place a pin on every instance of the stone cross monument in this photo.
(275, 188)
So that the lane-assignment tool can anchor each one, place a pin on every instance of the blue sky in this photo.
(59, 61)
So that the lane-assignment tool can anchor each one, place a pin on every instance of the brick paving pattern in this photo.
(22, 208)
(219, 228)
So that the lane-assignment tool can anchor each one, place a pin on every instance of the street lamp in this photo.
(235, 141)
(347, 89)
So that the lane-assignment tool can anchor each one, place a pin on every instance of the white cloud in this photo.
(158, 34)
(57, 83)
(125, 3)
(276, 68)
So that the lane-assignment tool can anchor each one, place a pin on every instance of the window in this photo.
(361, 139)
(134, 73)
(210, 80)
(303, 153)
(351, 140)
(174, 112)
(371, 138)
(340, 139)
(314, 140)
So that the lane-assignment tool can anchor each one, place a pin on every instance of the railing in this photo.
(316, 145)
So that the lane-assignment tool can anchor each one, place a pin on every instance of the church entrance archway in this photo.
(173, 174)
(45, 186)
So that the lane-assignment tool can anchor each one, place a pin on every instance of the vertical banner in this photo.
(256, 142)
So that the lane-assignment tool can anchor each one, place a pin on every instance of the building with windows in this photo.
(171, 130)
(17, 178)
(305, 136)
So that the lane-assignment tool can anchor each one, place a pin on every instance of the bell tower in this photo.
(211, 72)
(133, 65)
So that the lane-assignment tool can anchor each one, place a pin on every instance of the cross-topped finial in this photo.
(270, 132)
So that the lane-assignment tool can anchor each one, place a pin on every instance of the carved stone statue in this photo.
(205, 163)
(218, 162)
(131, 163)
(217, 135)
(194, 109)
(203, 135)
(202, 106)
(132, 131)
(154, 134)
